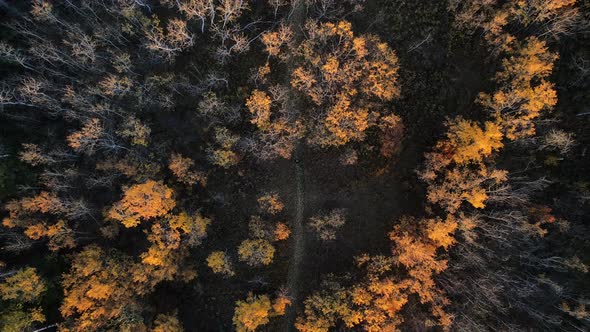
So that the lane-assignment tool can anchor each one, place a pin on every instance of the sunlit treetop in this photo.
(344, 78)
(143, 201)
(468, 142)
(23, 286)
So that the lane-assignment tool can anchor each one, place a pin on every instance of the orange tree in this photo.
(342, 79)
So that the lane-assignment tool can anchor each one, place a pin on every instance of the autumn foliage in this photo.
(256, 252)
(183, 169)
(256, 311)
(167, 164)
(24, 286)
(142, 202)
(345, 79)
(21, 292)
(219, 263)
(374, 303)
(98, 290)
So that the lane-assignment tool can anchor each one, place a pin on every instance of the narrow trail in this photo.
(298, 233)
(296, 19)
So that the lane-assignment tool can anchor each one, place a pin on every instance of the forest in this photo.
(294, 165)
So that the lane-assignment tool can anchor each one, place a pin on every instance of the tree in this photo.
(457, 171)
(219, 263)
(392, 131)
(270, 203)
(282, 232)
(200, 9)
(252, 313)
(34, 215)
(60, 235)
(182, 168)
(86, 139)
(136, 131)
(21, 292)
(143, 201)
(176, 38)
(170, 241)
(467, 142)
(559, 141)
(224, 155)
(345, 77)
(343, 80)
(255, 311)
(193, 228)
(323, 309)
(280, 304)
(256, 252)
(20, 320)
(374, 302)
(23, 286)
(99, 292)
(259, 105)
(115, 85)
(167, 323)
(32, 155)
(259, 228)
(278, 126)
(524, 91)
(541, 17)
(557, 17)
(275, 40)
(44, 202)
(453, 186)
(276, 4)
(230, 10)
(326, 225)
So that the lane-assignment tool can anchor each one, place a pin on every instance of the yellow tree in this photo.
(468, 142)
(60, 235)
(374, 302)
(252, 313)
(524, 91)
(141, 202)
(170, 239)
(259, 106)
(256, 311)
(256, 252)
(278, 128)
(323, 309)
(33, 214)
(167, 323)
(270, 203)
(343, 78)
(346, 78)
(219, 263)
(224, 155)
(21, 212)
(457, 171)
(182, 168)
(281, 232)
(99, 292)
(21, 293)
(276, 43)
(23, 286)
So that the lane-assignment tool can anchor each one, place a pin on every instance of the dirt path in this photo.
(296, 20)
(298, 250)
